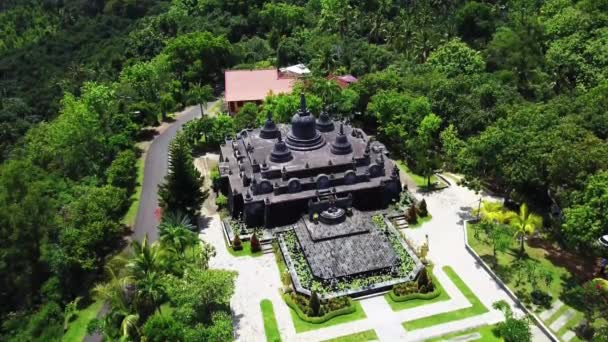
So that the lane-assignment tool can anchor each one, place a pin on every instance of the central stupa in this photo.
(304, 135)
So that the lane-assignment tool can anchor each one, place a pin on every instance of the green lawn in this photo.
(408, 304)
(364, 336)
(477, 307)
(77, 329)
(421, 221)
(246, 251)
(420, 181)
(270, 322)
(131, 214)
(302, 326)
(487, 335)
(519, 286)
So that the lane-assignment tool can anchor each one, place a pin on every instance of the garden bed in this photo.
(413, 300)
(358, 285)
(303, 322)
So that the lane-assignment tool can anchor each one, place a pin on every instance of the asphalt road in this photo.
(155, 170)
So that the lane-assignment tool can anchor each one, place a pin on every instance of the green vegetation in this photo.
(364, 336)
(415, 302)
(486, 332)
(131, 214)
(77, 329)
(420, 221)
(244, 251)
(499, 91)
(420, 181)
(476, 308)
(302, 325)
(270, 323)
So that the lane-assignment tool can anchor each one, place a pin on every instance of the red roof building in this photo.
(344, 80)
(242, 86)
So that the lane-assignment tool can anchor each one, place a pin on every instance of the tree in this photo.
(122, 173)
(500, 239)
(524, 223)
(237, 245)
(176, 233)
(587, 218)
(315, 304)
(455, 58)
(146, 259)
(475, 22)
(422, 209)
(493, 212)
(425, 148)
(246, 117)
(150, 294)
(182, 189)
(411, 214)
(200, 95)
(167, 103)
(255, 244)
(161, 328)
(512, 329)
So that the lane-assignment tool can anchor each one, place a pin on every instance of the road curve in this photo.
(155, 169)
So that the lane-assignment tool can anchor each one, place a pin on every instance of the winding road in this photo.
(155, 170)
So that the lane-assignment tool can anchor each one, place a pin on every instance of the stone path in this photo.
(562, 320)
(545, 315)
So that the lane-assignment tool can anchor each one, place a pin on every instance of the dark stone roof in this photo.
(352, 247)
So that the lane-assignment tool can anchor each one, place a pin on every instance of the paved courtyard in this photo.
(259, 279)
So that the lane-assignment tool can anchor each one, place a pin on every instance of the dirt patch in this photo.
(580, 267)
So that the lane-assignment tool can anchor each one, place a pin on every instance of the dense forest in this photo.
(510, 93)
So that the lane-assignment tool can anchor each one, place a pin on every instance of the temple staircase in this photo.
(399, 221)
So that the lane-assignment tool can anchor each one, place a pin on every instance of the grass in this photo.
(572, 323)
(364, 336)
(408, 304)
(556, 315)
(302, 326)
(420, 221)
(77, 329)
(519, 286)
(271, 328)
(476, 308)
(129, 218)
(246, 251)
(487, 335)
(420, 181)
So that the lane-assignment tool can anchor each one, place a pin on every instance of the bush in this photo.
(422, 209)
(425, 283)
(160, 328)
(255, 244)
(221, 201)
(541, 298)
(411, 215)
(237, 245)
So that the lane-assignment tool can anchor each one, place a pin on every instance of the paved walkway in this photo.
(155, 170)
(259, 279)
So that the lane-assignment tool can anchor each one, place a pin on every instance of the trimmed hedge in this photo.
(425, 296)
(322, 319)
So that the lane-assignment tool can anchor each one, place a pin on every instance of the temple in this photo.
(274, 174)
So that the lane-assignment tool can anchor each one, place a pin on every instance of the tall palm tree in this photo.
(524, 223)
(150, 290)
(176, 233)
(493, 212)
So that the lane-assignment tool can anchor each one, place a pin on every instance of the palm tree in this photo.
(524, 223)
(493, 212)
(176, 233)
(146, 258)
(151, 290)
(116, 295)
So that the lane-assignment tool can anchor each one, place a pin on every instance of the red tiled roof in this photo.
(250, 85)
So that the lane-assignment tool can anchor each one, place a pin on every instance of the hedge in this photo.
(318, 320)
(425, 296)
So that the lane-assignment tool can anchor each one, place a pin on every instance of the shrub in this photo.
(237, 245)
(422, 209)
(411, 215)
(289, 300)
(255, 244)
(425, 283)
(221, 201)
(162, 328)
(315, 304)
